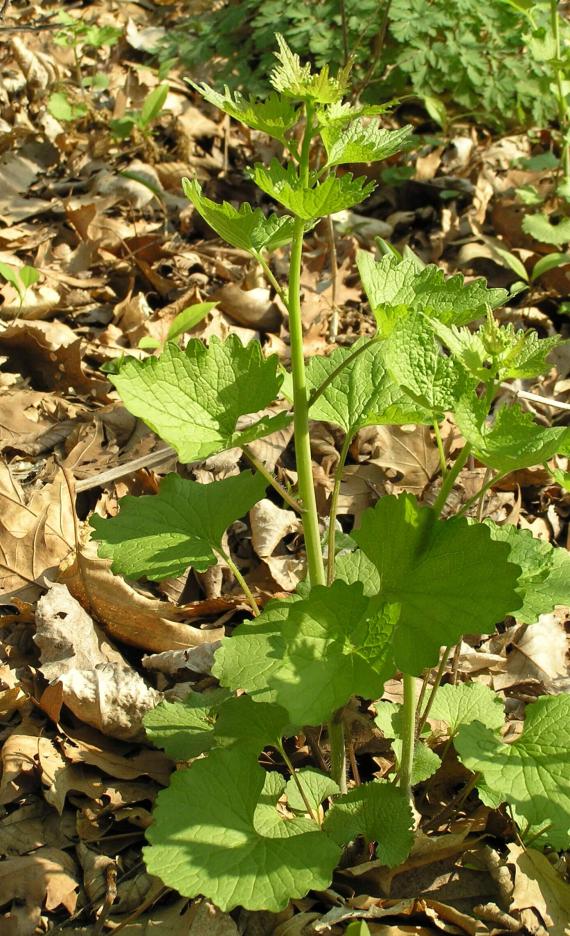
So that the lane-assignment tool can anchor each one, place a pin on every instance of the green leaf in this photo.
(28, 276)
(185, 729)
(533, 773)
(63, 108)
(246, 228)
(550, 262)
(10, 274)
(334, 644)
(512, 441)
(355, 566)
(189, 318)
(318, 787)
(362, 143)
(285, 186)
(542, 229)
(122, 127)
(250, 725)
(161, 535)
(217, 832)
(498, 351)
(362, 393)
(193, 399)
(378, 811)
(274, 116)
(467, 703)
(297, 81)
(447, 578)
(413, 355)
(153, 104)
(545, 579)
(425, 761)
(390, 283)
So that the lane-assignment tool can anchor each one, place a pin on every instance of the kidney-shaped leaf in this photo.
(533, 773)
(193, 399)
(334, 644)
(378, 811)
(160, 536)
(467, 703)
(217, 832)
(448, 578)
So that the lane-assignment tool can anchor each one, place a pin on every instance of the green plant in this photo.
(402, 585)
(399, 47)
(21, 278)
(122, 127)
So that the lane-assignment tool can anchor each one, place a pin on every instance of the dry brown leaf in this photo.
(197, 660)
(252, 308)
(409, 450)
(99, 687)
(33, 825)
(538, 652)
(538, 886)
(51, 354)
(35, 535)
(86, 746)
(269, 525)
(12, 697)
(47, 877)
(130, 617)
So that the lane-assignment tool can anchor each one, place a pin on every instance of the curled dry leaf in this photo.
(251, 308)
(85, 746)
(538, 653)
(35, 534)
(130, 617)
(99, 687)
(50, 353)
(197, 659)
(33, 825)
(538, 886)
(45, 878)
(269, 525)
(409, 450)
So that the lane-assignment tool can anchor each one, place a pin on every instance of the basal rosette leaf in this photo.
(413, 356)
(217, 833)
(446, 577)
(362, 143)
(250, 725)
(160, 536)
(275, 115)
(311, 655)
(545, 579)
(392, 282)
(310, 203)
(390, 722)
(362, 393)
(378, 811)
(467, 703)
(244, 227)
(193, 398)
(513, 440)
(542, 229)
(294, 80)
(533, 773)
(316, 785)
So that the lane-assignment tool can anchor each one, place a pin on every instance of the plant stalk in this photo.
(272, 480)
(408, 735)
(560, 96)
(450, 479)
(423, 717)
(240, 580)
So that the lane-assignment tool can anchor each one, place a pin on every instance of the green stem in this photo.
(333, 509)
(494, 479)
(437, 682)
(440, 448)
(272, 280)
(338, 750)
(240, 580)
(408, 735)
(450, 479)
(300, 394)
(272, 480)
(297, 782)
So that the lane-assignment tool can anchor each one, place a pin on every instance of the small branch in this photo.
(408, 735)
(440, 448)
(438, 677)
(272, 480)
(240, 580)
(536, 398)
(450, 479)
(272, 280)
(297, 782)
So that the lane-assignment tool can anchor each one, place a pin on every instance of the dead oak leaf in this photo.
(539, 887)
(35, 534)
(45, 878)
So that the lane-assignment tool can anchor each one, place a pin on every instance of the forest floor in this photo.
(119, 253)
